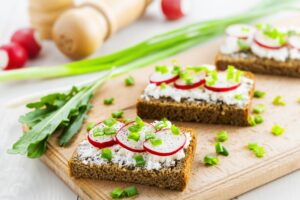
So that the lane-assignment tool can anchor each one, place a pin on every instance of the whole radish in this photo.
(12, 56)
(28, 38)
(175, 9)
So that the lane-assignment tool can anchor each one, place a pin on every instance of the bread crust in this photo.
(203, 112)
(173, 178)
(250, 62)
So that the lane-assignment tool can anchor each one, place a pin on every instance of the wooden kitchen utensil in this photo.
(80, 31)
(44, 13)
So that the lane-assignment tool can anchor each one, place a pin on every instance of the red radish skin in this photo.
(188, 87)
(27, 38)
(167, 81)
(259, 40)
(126, 146)
(222, 89)
(15, 56)
(154, 152)
(174, 9)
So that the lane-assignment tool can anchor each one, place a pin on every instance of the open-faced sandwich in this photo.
(198, 94)
(262, 49)
(155, 154)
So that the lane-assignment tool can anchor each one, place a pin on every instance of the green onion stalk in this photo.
(150, 46)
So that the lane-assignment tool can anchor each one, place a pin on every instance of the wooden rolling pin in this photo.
(80, 31)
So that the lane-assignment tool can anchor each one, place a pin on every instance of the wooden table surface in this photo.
(31, 179)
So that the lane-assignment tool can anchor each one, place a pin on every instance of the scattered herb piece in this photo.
(156, 141)
(238, 75)
(258, 119)
(222, 136)
(139, 121)
(161, 124)
(110, 121)
(149, 135)
(252, 146)
(259, 94)
(127, 121)
(97, 132)
(139, 160)
(221, 150)
(117, 114)
(259, 151)
(135, 128)
(251, 120)
(163, 69)
(90, 126)
(210, 160)
(277, 130)
(106, 154)
(239, 97)
(108, 101)
(230, 72)
(278, 101)
(129, 81)
(117, 193)
(134, 136)
(109, 131)
(175, 130)
(163, 86)
(176, 70)
(242, 45)
(130, 191)
(259, 108)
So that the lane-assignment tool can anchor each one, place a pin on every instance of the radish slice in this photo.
(222, 85)
(14, 56)
(29, 39)
(294, 41)
(175, 9)
(241, 31)
(104, 140)
(131, 145)
(267, 42)
(198, 79)
(158, 78)
(171, 143)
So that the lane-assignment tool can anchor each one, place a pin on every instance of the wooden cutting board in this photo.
(236, 174)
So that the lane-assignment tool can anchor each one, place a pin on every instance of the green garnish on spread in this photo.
(90, 126)
(129, 81)
(176, 70)
(108, 101)
(98, 132)
(243, 46)
(259, 151)
(156, 141)
(233, 74)
(161, 124)
(137, 126)
(221, 150)
(163, 86)
(163, 69)
(110, 121)
(222, 136)
(259, 94)
(139, 160)
(212, 78)
(149, 135)
(239, 97)
(278, 101)
(211, 160)
(277, 130)
(109, 131)
(106, 154)
(259, 108)
(117, 114)
(175, 130)
(272, 32)
(133, 136)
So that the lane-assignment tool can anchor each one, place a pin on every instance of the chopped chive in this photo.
(239, 97)
(189, 80)
(90, 125)
(214, 75)
(108, 101)
(251, 121)
(259, 151)
(278, 101)
(277, 130)
(259, 108)
(162, 69)
(161, 124)
(242, 45)
(139, 160)
(130, 191)
(109, 131)
(220, 149)
(129, 81)
(106, 154)
(259, 94)
(135, 128)
(139, 121)
(175, 130)
(97, 132)
(110, 121)
(238, 75)
(149, 135)
(117, 193)
(163, 86)
(176, 70)
(258, 119)
(230, 72)
(252, 146)
(210, 160)
(117, 114)
(222, 136)
(134, 136)
(127, 121)
(156, 141)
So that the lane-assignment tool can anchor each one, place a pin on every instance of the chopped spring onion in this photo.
(129, 81)
(259, 151)
(90, 125)
(156, 141)
(175, 130)
(222, 136)
(149, 135)
(117, 193)
(161, 124)
(251, 121)
(117, 114)
(139, 160)
(259, 108)
(163, 86)
(130, 191)
(139, 121)
(110, 122)
(221, 150)
(108, 101)
(258, 119)
(259, 94)
(109, 131)
(106, 154)
(242, 45)
(278, 101)
(134, 136)
(98, 132)
(211, 160)
(239, 97)
(163, 69)
(277, 130)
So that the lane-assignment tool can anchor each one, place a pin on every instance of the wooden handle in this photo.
(80, 31)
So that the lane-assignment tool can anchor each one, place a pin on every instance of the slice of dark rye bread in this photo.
(203, 112)
(250, 62)
(173, 178)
